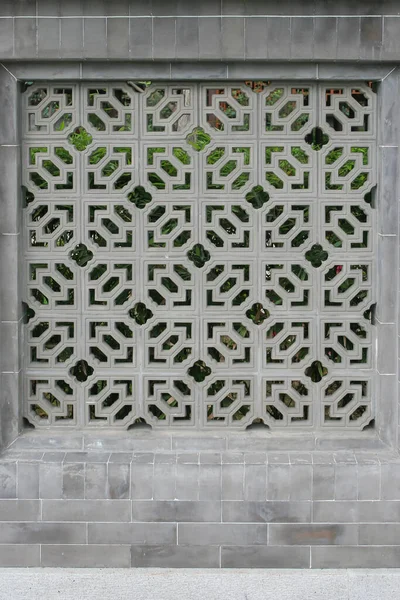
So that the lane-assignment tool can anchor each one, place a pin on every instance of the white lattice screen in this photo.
(199, 255)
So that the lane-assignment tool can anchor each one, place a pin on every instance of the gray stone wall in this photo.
(146, 500)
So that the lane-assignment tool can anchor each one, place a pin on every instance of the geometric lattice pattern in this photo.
(199, 255)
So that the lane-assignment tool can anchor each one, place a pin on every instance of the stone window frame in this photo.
(387, 316)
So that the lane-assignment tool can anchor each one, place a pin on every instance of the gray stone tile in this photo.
(164, 482)
(233, 7)
(132, 533)
(386, 306)
(232, 36)
(301, 482)
(312, 534)
(164, 38)
(20, 8)
(165, 458)
(302, 38)
(71, 38)
(10, 201)
(48, 38)
(24, 38)
(353, 557)
(210, 482)
(141, 39)
(387, 347)
(9, 400)
(379, 512)
(120, 457)
(210, 38)
(19, 555)
(188, 458)
(71, 8)
(198, 444)
(8, 480)
(323, 482)
(256, 38)
(278, 485)
(255, 483)
(96, 481)
(346, 482)
(187, 482)
(382, 534)
(19, 510)
(370, 38)
(391, 39)
(52, 441)
(140, 7)
(325, 38)
(6, 38)
(387, 205)
(73, 481)
(176, 511)
(225, 534)
(164, 8)
(232, 482)
(210, 458)
(278, 458)
(86, 457)
(348, 32)
(85, 556)
(335, 512)
(119, 481)
(230, 457)
(187, 38)
(300, 458)
(353, 70)
(260, 557)
(118, 38)
(48, 8)
(266, 512)
(50, 480)
(95, 38)
(10, 337)
(28, 480)
(206, 7)
(390, 482)
(141, 481)
(255, 458)
(175, 556)
(199, 72)
(94, 8)
(42, 533)
(150, 443)
(87, 510)
(278, 37)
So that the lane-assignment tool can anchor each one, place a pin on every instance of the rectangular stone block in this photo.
(210, 482)
(164, 482)
(73, 481)
(132, 533)
(266, 512)
(390, 482)
(335, 512)
(173, 557)
(232, 482)
(95, 38)
(369, 482)
(301, 482)
(118, 38)
(391, 41)
(323, 482)
(388, 209)
(86, 556)
(9, 406)
(8, 480)
(255, 483)
(387, 348)
(10, 337)
(232, 36)
(346, 482)
(96, 481)
(261, 557)
(370, 38)
(17, 555)
(50, 480)
(210, 38)
(388, 132)
(87, 510)
(28, 480)
(141, 39)
(187, 38)
(42, 533)
(197, 444)
(353, 557)
(278, 38)
(71, 38)
(278, 485)
(142, 481)
(164, 38)
(24, 38)
(311, 534)
(379, 512)
(175, 511)
(19, 510)
(187, 482)
(381, 534)
(222, 534)
(10, 197)
(6, 38)
(387, 293)
(348, 35)
(48, 38)
(302, 38)
(141, 7)
(325, 38)
(119, 481)
(256, 38)
(198, 72)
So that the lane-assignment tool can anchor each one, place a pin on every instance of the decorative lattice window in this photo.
(199, 255)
